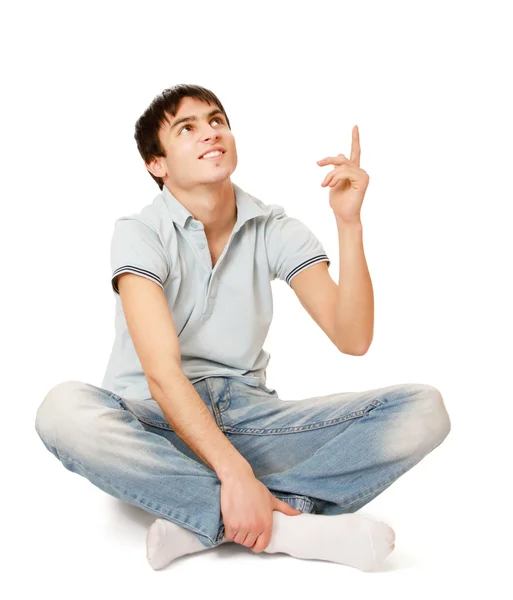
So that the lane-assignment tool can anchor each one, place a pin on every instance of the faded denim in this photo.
(325, 455)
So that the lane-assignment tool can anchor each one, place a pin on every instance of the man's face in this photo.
(185, 141)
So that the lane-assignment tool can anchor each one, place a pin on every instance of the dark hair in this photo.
(149, 123)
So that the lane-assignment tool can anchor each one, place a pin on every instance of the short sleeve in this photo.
(137, 248)
(291, 246)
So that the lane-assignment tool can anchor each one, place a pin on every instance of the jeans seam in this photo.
(217, 415)
(282, 430)
(153, 423)
(228, 401)
(306, 502)
(165, 426)
(160, 425)
(307, 505)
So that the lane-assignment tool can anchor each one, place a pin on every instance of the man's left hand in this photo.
(347, 181)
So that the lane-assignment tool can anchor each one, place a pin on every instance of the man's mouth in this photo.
(215, 156)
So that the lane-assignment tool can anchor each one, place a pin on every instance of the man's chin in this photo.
(219, 177)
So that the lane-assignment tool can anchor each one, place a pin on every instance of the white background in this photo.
(428, 85)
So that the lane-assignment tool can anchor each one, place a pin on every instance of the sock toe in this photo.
(390, 535)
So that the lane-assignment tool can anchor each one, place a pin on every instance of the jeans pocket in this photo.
(147, 411)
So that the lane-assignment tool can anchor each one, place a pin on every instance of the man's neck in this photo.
(213, 205)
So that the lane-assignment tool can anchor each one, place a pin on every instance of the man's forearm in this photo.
(191, 420)
(354, 322)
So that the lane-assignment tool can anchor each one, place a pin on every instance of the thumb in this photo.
(285, 508)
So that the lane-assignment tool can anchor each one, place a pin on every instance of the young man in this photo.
(184, 425)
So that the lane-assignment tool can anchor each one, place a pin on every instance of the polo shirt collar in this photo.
(247, 208)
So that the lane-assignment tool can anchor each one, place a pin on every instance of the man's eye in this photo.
(189, 126)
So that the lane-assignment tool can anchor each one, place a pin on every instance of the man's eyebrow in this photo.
(193, 118)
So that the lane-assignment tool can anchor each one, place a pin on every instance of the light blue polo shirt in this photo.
(222, 315)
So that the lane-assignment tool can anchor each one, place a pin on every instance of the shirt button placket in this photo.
(195, 225)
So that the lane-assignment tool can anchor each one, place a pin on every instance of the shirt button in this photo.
(202, 246)
(194, 225)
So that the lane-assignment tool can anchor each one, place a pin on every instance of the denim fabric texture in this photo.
(328, 454)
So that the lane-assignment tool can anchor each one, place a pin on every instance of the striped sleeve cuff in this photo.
(305, 264)
(136, 271)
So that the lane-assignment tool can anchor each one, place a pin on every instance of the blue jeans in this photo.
(325, 455)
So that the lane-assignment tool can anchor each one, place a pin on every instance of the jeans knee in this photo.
(51, 413)
(438, 420)
(421, 424)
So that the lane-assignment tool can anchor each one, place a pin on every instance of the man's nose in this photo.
(210, 133)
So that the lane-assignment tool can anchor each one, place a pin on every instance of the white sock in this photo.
(349, 539)
(166, 541)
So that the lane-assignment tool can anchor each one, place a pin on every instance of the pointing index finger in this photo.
(355, 146)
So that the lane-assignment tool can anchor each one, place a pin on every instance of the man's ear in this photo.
(156, 167)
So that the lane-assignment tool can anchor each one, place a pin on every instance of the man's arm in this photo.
(345, 312)
(155, 340)
(354, 316)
